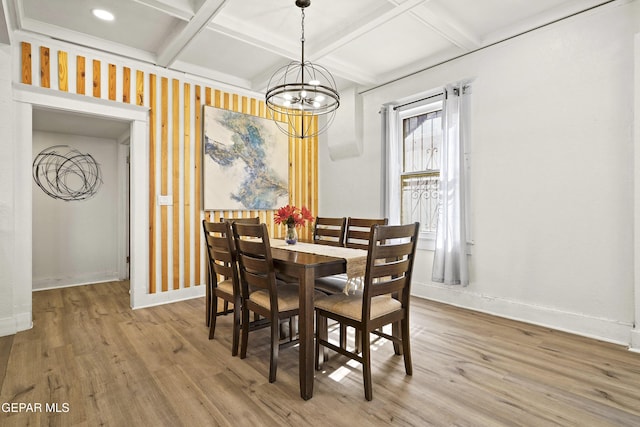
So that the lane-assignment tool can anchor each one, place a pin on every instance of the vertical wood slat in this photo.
(197, 184)
(139, 88)
(187, 184)
(164, 179)
(96, 78)
(175, 182)
(26, 63)
(80, 75)
(112, 82)
(314, 175)
(126, 85)
(45, 72)
(152, 181)
(63, 71)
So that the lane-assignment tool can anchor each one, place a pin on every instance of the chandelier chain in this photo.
(302, 26)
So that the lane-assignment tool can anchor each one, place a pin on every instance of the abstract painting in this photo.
(246, 162)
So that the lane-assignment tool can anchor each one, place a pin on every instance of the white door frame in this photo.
(25, 97)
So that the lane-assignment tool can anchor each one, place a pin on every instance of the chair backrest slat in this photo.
(329, 231)
(358, 231)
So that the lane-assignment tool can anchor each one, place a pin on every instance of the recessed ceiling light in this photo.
(103, 14)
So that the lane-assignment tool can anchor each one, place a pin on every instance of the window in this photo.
(414, 138)
(421, 137)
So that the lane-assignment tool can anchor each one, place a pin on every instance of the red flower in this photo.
(292, 215)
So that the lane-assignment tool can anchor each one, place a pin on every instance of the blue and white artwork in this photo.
(246, 162)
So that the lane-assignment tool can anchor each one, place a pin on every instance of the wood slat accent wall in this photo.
(176, 252)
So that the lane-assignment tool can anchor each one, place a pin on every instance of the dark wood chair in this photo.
(261, 292)
(329, 231)
(208, 297)
(385, 300)
(357, 234)
(222, 265)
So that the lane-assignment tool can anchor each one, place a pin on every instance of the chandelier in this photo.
(300, 92)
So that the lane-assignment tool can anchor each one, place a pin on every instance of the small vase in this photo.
(292, 236)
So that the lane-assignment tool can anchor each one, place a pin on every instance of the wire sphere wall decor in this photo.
(65, 173)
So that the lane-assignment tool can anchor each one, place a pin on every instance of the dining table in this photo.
(306, 263)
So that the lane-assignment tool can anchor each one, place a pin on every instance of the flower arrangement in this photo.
(292, 216)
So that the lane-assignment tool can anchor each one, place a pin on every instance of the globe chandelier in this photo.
(300, 92)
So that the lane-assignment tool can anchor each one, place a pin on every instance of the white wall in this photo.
(7, 235)
(551, 170)
(75, 242)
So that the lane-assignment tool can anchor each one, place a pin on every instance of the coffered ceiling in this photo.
(363, 43)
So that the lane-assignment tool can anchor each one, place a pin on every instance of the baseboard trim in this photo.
(46, 284)
(635, 340)
(575, 323)
(13, 325)
(159, 298)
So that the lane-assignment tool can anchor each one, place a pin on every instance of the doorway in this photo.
(81, 175)
(27, 98)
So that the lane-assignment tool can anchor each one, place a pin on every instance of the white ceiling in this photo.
(363, 43)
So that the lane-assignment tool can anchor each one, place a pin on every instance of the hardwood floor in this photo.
(108, 365)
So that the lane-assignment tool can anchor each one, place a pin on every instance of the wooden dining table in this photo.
(306, 267)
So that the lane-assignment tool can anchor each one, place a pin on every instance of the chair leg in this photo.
(236, 328)
(275, 346)
(245, 332)
(406, 347)
(358, 342)
(322, 333)
(343, 336)
(396, 328)
(366, 364)
(207, 300)
(213, 315)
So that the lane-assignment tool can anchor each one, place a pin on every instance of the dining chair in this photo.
(384, 300)
(329, 231)
(222, 263)
(261, 292)
(251, 220)
(357, 234)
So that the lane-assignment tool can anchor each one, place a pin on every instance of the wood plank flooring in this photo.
(108, 365)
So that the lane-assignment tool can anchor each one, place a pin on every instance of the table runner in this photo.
(356, 258)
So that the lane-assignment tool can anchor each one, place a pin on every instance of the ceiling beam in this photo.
(176, 43)
(175, 11)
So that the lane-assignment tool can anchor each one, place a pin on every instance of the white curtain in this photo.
(392, 189)
(450, 258)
